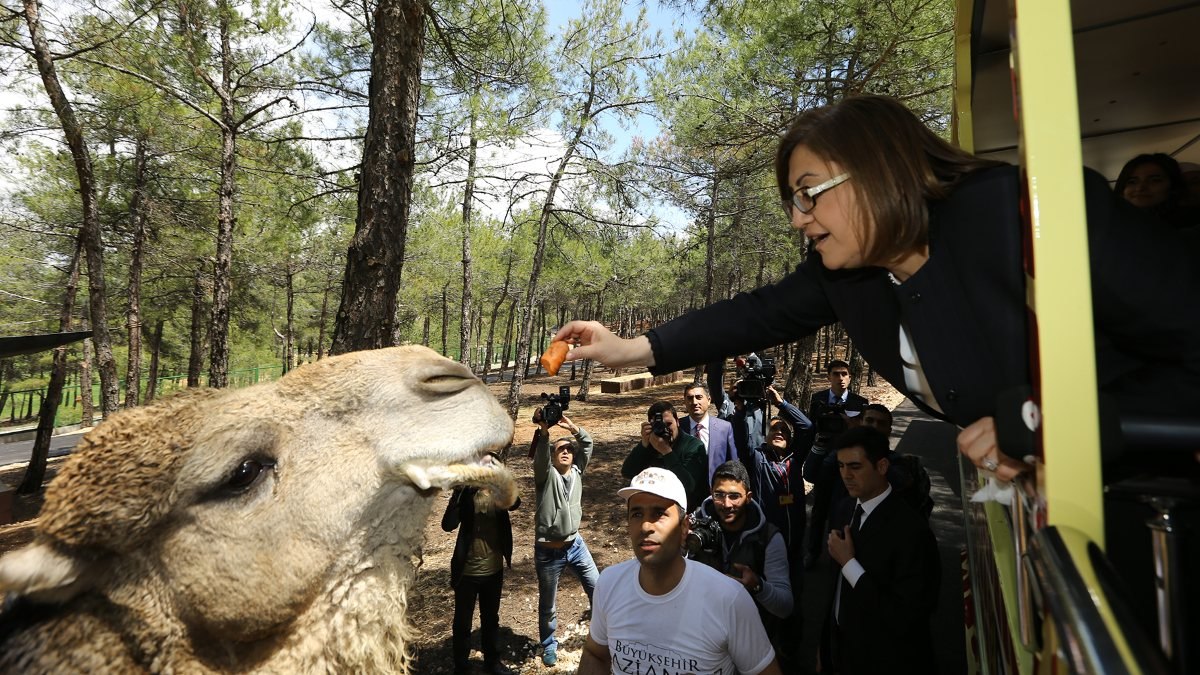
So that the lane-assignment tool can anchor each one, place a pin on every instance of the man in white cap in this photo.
(664, 613)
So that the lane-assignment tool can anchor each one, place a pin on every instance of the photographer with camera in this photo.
(730, 533)
(664, 446)
(831, 411)
(750, 397)
(558, 480)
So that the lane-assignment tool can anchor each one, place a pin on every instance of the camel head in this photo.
(258, 528)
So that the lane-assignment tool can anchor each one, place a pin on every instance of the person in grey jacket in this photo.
(558, 480)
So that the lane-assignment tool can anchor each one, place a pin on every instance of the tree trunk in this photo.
(445, 319)
(156, 351)
(487, 359)
(93, 244)
(586, 383)
(710, 243)
(508, 331)
(35, 472)
(87, 401)
(6, 376)
(324, 312)
(799, 378)
(133, 315)
(539, 253)
(858, 369)
(367, 316)
(464, 329)
(196, 352)
(289, 338)
(425, 332)
(218, 334)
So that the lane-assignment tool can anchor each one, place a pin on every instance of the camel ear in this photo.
(41, 573)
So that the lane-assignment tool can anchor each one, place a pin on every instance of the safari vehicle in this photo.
(1052, 85)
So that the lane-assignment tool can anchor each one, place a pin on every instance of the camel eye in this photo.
(247, 473)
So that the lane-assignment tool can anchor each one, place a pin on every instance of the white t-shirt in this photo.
(707, 625)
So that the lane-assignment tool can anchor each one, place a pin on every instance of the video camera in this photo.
(552, 411)
(829, 419)
(659, 427)
(703, 542)
(755, 375)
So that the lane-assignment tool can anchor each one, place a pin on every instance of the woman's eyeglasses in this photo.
(805, 199)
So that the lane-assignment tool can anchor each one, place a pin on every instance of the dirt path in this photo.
(614, 421)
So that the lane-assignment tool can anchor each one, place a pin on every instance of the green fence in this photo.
(22, 407)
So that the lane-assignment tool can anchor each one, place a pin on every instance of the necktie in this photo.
(702, 434)
(855, 524)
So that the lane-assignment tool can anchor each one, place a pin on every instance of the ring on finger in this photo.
(990, 464)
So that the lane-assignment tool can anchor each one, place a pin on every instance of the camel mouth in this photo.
(484, 472)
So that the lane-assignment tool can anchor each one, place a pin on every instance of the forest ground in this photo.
(614, 420)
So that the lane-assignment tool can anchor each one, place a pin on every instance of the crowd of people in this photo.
(706, 510)
(917, 248)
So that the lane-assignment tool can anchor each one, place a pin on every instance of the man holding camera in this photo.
(558, 480)
(715, 433)
(830, 411)
(662, 613)
(730, 533)
(663, 446)
(749, 396)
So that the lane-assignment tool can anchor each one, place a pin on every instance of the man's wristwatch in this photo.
(757, 588)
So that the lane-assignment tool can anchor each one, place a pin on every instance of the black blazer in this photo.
(853, 401)
(884, 619)
(965, 308)
(461, 510)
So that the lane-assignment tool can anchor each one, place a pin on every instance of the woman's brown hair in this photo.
(896, 165)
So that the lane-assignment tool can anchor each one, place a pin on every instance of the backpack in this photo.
(913, 483)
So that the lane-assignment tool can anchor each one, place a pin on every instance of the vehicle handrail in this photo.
(1096, 630)
(1158, 432)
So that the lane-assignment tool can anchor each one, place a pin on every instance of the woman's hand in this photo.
(978, 443)
(598, 343)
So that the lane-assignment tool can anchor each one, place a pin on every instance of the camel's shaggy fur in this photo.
(268, 529)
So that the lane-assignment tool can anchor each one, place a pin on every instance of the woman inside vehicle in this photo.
(1155, 183)
(915, 246)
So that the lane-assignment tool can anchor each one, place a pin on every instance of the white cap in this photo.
(659, 482)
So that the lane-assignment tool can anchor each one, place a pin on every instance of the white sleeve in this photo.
(748, 643)
(599, 626)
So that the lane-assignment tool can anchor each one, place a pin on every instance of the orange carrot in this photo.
(555, 354)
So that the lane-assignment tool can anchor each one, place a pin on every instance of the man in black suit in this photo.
(830, 411)
(888, 569)
(838, 392)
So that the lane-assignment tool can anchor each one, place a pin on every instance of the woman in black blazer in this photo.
(915, 246)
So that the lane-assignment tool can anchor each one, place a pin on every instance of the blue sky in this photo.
(666, 20)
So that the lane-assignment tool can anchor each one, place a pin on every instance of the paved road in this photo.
(18, 451)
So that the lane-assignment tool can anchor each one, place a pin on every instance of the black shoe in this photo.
(498, 669)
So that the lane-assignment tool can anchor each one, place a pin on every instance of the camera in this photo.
(703, 537)
(555, 405)
(659, 427)
(756, 375)
(829, 418)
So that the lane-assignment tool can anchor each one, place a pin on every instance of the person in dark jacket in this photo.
(916, 248)
(885, 566)
(482, 550)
